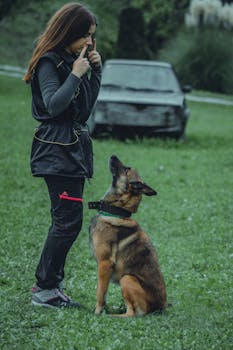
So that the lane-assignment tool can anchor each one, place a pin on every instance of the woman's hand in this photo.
(94, 56)
(81, 65)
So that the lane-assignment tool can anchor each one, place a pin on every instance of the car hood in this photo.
(140, 97)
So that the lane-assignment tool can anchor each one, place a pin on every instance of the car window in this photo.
(140, 77)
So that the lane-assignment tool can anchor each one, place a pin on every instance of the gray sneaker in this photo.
(52, 298)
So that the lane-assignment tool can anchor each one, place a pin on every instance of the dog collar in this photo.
(109, 210)
(104, 213)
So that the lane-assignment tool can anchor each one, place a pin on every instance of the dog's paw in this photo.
(98, 310)
(101, 309)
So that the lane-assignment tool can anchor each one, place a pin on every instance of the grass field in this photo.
(190, 223)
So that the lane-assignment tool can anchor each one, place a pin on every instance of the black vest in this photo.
(79, 108)
(62, 145)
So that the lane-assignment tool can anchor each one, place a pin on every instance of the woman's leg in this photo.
(67, 216)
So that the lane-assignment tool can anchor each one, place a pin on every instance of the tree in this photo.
(131, 42)
(5, 6)
(166, 19)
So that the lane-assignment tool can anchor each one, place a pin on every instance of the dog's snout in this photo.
(114, 159)
(114, 163)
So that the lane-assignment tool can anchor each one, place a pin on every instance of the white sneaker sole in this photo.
(43, 305)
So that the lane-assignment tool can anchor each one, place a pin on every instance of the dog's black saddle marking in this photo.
(111, 209)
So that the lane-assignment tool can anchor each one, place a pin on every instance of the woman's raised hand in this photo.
(81, 65)
(94, 56)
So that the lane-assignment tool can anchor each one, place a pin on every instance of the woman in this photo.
(64, 73)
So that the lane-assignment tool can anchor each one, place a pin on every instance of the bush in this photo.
(5, 6)
(203, 58)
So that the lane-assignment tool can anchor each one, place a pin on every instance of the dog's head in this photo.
(127, 186)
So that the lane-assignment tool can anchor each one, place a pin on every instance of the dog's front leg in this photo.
(104, 275)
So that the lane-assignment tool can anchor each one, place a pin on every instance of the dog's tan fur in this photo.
(122, 249)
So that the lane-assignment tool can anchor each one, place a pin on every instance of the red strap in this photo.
(65, 196)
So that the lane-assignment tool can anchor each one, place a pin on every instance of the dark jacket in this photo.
(61, 144)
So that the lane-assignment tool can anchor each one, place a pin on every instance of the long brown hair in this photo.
(68, 24)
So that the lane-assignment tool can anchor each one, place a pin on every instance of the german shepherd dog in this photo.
(122, 249)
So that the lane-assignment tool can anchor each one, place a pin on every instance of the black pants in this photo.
(67, 216)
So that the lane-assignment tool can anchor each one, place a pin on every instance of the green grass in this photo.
(190, 223)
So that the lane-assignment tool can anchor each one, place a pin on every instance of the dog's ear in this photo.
(140, 187)
(148, 191)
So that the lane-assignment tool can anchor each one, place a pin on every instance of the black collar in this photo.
(66, 56)
(105, 207)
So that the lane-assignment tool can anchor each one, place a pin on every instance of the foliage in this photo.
(203, 58)
(190, 222)
(131, 41)
(5, 6)
(27, 20)
(203, 54)
(166, 17)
